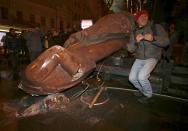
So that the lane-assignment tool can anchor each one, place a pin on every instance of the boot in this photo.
(145, 100)
(138, 93)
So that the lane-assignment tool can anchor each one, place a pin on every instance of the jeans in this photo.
(139, 74)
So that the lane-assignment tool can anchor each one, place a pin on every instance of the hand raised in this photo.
(139, 37)
(148, 37)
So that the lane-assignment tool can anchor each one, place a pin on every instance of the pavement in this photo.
(122, 112)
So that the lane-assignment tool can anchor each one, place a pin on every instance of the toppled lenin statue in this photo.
(60, 68)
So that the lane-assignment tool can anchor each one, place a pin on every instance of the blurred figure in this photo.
(35, 42)
(24, 51)
(173, 37)
(3, 45)
(13, 46)
(54, 39)
(64, 34)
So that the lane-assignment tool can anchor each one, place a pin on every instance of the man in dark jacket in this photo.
(35, 42)
(148, 46)
(13, 46)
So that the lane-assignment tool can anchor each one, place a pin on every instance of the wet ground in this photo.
(121, 112)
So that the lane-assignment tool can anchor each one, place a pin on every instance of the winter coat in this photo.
(146, 49)
(12, 43)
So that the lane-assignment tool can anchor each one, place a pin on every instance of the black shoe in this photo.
(145, 100)
(138, 93)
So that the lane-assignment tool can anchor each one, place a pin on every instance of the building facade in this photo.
(48, 14)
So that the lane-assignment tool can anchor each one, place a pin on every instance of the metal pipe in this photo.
(97, 95)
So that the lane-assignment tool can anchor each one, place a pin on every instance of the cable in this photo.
(156, 94)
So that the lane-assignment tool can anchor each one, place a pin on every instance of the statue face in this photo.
(142, 20)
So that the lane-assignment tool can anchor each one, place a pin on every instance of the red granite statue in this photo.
(60, 68)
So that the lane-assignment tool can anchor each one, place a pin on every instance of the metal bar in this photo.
(97, 95)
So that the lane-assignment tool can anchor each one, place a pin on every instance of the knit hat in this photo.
(139, 13)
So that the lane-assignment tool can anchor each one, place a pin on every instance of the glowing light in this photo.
(86, 23)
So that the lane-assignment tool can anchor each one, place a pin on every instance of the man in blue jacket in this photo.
(147, 45)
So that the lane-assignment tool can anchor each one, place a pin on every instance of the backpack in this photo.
(165, 49)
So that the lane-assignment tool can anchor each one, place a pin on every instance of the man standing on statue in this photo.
(147, 42)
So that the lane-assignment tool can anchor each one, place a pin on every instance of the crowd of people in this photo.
(29, 44)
